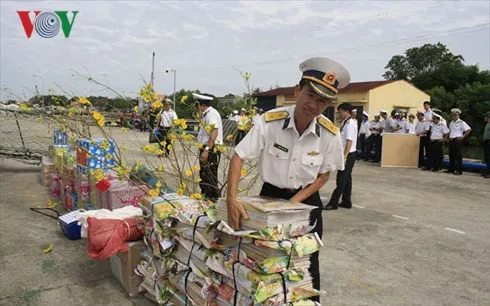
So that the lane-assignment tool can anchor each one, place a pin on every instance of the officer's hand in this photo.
(236, 211)
(204, 156)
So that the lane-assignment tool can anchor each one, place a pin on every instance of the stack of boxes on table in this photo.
(193, 258)
(74, 175)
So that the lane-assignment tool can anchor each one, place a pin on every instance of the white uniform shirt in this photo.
(210, 116)
(458, 128)
(365, 125)
(438, 131)
(348, 131)
(389, 124)
(255, 118)
(422, 127)
(235, 118)
(428, 114)
(167, 118)
(410, 127)
(378, 125)
(286, 159)
(402, 124)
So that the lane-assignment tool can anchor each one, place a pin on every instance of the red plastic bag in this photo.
(107, 237)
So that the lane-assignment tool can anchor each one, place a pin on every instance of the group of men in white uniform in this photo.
(430, 126)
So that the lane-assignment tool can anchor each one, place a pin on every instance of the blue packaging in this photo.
(69, 225)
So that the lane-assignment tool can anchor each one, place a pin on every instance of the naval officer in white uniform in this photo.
(296, 146)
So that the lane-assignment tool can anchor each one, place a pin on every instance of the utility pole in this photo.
(152, 70)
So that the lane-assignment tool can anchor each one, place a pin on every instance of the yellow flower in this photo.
(149, 148)
(158, 185)
(229, 137)
(157, 105)
(159, 169)
(169, 147)
(243, 172)
(108, 156)
(188, 137)
(138, 165)
(183, 99)
(199, 145)
(180, 192)
(154, 192)
(196, 196)
(124, 148)
(24, 107)
(136, 108)
(209, 128)
(84, 101)
(99, 118)
(196, 168)
(247, 76)
(199, 179)
(188, 172)
(159, 152)
(220, 148)
(124, 129)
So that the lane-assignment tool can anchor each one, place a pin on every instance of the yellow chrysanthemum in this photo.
(229, 137)
(154, 192)
(124, 129)
(196, 168)
(180, 192)
(243, 172)
(188, 172)
(124, 148)
(108, 156)
(183, 99)
(136, 108)
(199, 145)
(169, 147)
(158, 185)
(84, 101)
(199, 179)
(159, 169)
(196, 196)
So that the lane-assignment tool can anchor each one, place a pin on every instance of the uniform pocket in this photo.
(278, 153)
(310, 166)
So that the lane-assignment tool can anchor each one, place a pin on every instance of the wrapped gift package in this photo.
(125, 195)
(60, 138)
(47, 169)
(71, 202)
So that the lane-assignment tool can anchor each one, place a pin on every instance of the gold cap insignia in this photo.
(329, 78)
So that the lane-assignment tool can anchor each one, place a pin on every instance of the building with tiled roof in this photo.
(369, 96)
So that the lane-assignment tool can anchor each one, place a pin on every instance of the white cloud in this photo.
(204, 40)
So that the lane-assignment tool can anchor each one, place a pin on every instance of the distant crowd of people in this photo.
(432, 129)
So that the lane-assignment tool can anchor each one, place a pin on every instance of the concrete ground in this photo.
(413, 238)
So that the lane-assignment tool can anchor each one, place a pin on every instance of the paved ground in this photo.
(414, 238)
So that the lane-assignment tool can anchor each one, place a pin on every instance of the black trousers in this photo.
(456, 155)
(486, 154)
(209, 175)
(368, 147)
(377, 147)
(424, 151)
(315, 216)
(436, 155)
(240, 136)
(344, 183)
(362, 144)
(163, 136)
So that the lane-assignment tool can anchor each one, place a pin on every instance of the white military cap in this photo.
(383, 111)
(436, 115)
(354, 110)
(243, 110)
(201, 97)
(365, 113)
(420, 112)
(456, 111)
(168, 101)
(235, 112)
(326, 76)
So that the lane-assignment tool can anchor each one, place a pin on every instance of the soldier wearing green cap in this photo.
(486, 144)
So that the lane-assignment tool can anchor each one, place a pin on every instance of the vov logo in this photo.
(47, 24)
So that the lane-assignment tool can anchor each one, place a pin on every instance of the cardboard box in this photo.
(123, 265)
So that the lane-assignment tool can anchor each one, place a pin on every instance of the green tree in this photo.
(420, 60)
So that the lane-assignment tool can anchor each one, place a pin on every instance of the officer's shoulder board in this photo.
(274, 116)
(326, 123)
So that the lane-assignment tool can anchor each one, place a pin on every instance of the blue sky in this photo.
(209, 42)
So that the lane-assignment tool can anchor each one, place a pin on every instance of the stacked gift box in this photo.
(195, 258)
